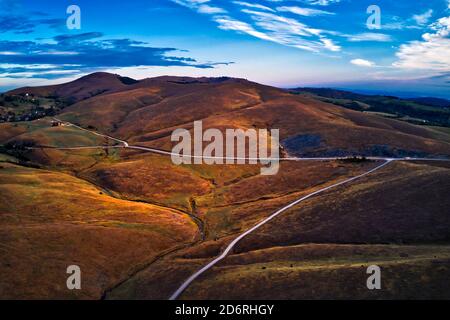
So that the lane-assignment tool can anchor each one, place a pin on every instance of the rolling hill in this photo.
(146, 112)
(131, 218)
(421, 111)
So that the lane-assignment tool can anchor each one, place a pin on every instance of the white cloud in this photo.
(204, 8)
(267, 25)
(321, 2)
(362, 63)
(313, 2)
(27, 66)
(253, 5)
(417, 21)
(369, 36)
(9, 53)
(330, 45)
(422, 19)
(432, 53)
(304, 11)
(200, 6)
(291, 32)
(190, 3)
(227, 23)
(34, 74)
(399, 26)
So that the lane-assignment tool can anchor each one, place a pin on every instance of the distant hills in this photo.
(429, 111)
(434, 102)
(312, 122)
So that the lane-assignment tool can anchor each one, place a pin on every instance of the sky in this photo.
(399, 47)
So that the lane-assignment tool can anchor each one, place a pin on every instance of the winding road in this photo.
(229, 248)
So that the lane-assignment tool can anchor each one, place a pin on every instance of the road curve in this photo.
(125, 144)
(230, 247)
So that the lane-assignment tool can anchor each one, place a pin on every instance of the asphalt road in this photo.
(125, 144)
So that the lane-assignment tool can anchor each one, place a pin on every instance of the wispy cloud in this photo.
(25, 25)
(416, 21)
(204, 8)
(291, 32)
(321, 2)
(267, 24)
(304, 11)
(253, 5)
(422, 19)
(201, 6)
(227, 23)
(87, 52)
(311, 2)
(369, 36)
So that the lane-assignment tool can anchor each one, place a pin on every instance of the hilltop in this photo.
(147, 111)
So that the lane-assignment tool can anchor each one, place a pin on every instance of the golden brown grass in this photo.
(151, 178)
(402, 203)
(353, 227)
(240, 205)
(51, 220)
(328, 272)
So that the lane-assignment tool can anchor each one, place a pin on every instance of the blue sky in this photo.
(277, 42)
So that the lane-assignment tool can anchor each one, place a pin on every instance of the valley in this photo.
(99, 189)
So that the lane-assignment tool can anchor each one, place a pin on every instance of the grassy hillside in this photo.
(51, 220)
(422, 111)
(322, 248)
(146, 112)
(114, 210)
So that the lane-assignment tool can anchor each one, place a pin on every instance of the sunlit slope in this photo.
(41, 133)
(50, 220)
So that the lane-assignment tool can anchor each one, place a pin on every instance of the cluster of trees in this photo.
(18, 149)
(27, 107)
(29, 115)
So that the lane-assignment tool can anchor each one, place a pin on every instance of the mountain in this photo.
(138, 225)
(146, 112)
(80, 89)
